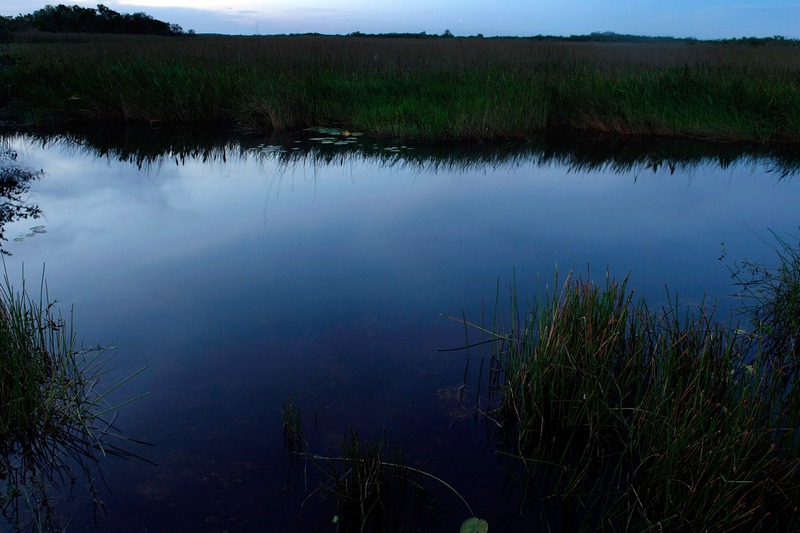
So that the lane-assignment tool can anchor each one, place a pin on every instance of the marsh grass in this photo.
(624, 419)
(771, 302)
(418, 88)
(55, 422)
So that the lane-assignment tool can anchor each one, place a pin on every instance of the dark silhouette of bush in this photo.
(76, 19)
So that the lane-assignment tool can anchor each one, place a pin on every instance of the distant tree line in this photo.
(76, 19)
(598, 36)
(447, 34)
(612, 37)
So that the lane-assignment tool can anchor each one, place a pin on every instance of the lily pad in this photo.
(335, 131)
(475, 525)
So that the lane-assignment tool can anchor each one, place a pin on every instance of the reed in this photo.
(632, 420)
(460, 88)
(55, 423)
(771, 303)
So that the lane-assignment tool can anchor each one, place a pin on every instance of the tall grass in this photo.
(625, 419)
(426, 89)
(55, 422)
(771, 298)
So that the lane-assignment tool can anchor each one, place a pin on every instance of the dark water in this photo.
(239, 270)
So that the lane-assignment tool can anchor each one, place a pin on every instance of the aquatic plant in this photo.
(624, 419)
(55, 420)
(371, 483)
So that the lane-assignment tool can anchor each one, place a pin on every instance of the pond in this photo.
(241, 270)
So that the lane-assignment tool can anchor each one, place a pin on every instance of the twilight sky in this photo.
(704, 19)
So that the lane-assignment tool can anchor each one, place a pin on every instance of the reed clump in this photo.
(626, 419)
(55, 423)
(430, 89)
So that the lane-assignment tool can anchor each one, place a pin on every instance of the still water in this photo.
(240, 270)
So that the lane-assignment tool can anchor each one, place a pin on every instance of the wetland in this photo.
(248, 271)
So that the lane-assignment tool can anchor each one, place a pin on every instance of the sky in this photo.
(702, 19)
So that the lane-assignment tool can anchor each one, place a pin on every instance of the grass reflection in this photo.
(151, 148)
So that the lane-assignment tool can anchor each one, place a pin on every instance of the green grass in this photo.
(55, 423)
(425, 89)
(626, 419)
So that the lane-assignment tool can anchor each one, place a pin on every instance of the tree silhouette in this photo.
(14, 185)
(76, 19)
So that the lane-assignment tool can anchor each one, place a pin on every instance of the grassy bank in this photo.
(454, 88)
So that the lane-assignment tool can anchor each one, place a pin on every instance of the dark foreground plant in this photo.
(55, 422)
(370, 482)
(630, 420)
(771, 303)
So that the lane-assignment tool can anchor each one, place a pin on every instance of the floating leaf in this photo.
(475, 525)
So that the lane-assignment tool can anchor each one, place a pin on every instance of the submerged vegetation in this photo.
(56, 422)
(371, 484)
(446, 88)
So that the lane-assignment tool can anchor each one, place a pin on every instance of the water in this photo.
(240, 270)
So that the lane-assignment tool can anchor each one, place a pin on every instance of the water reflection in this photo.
(240, 268)
(149, 148)
(14, 186)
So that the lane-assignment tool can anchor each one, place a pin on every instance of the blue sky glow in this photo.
(703, 19)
